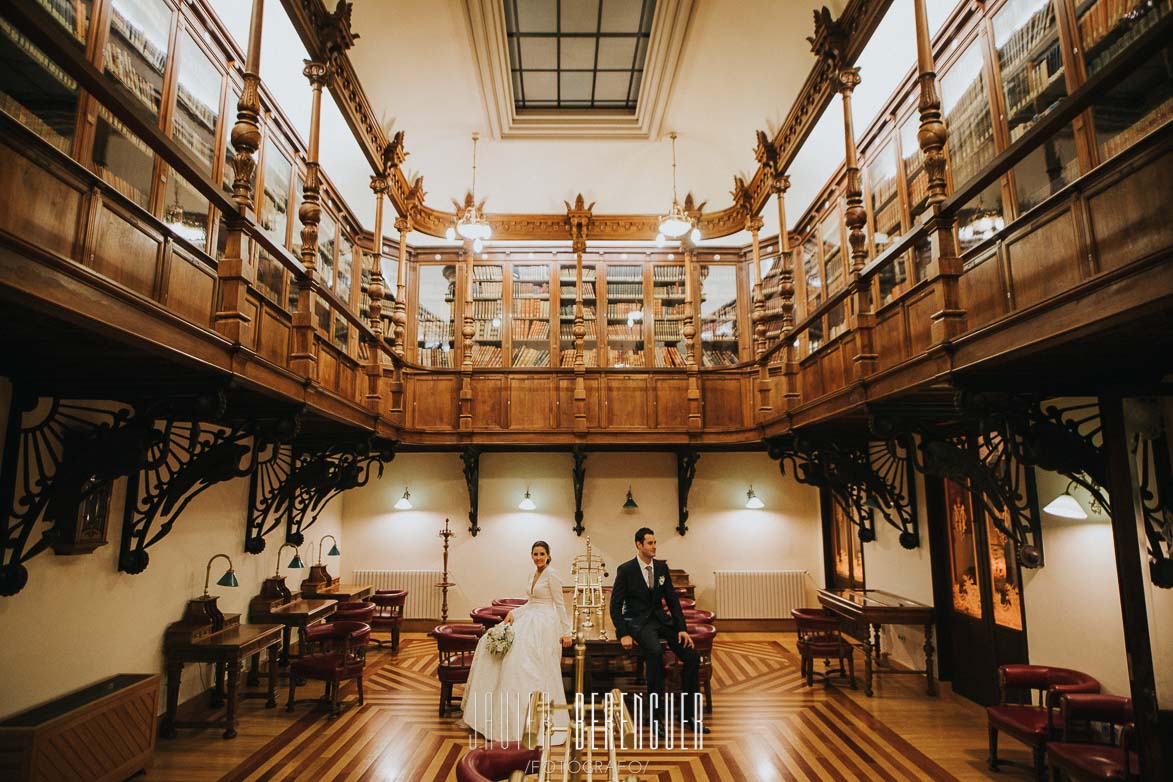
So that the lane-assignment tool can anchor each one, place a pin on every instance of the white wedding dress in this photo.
(497, 695)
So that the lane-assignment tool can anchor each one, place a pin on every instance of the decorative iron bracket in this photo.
(320, 476)
(471, 456)
(685, 471)
(60, 459)
(579, 474)
(270, 492)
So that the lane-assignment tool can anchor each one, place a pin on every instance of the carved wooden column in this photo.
(695, 421)
(232, 270)
(374, 366)
(856, 218)
(790, 394)
(578, 219)
(399, 318)
(303, 359)
(467, 331)
(753, 224)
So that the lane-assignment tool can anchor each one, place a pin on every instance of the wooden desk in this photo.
(874, 607)
(337, 591)
(298, 612)
(194, 640)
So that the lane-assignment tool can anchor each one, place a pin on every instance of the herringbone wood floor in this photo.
(766, 725)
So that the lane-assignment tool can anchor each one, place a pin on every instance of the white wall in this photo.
(722, 534)
(79, 620)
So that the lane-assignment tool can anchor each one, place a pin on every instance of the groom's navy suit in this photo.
(639, 612)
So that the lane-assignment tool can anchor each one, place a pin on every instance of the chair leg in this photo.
(1040, 754)
(395, 638)
(851, 667)
(334, 708)
(445, 696)
(292, 691)
(360, 695)
(993, 759)
(709, 695)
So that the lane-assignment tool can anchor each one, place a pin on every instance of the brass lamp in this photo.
(226, 580)
(295, 563)
(318, 576)
(333, 552)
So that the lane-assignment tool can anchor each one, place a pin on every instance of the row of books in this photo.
(66, 12)
(669, 291)
(198, 141)
(625, 274)
(531, 273)
(623, 333)
(531, 308)
(625, 358)
(487, 356)
(152, 54)
(621, 310)
(530, 357)
(121, 66)
(588, 291)
(1021, 43)
(1133, 21)
(590, 357)
(487, 331)
(124, 187)
(485, 309)
(569, 274)
(662, 310)
(719, 358)
(486, 290)
(33, 122)
(1126, 138)
(567, 311)
(566, 330)
(526, 289)
(668, 274)
(37, 56)
(1023, 87)
(531, 329)
(435, 331)
(667, 332)
(432, 357)
(1105, 16)
(624, 290)
(197, 108)
(486, 272)
(668, 356)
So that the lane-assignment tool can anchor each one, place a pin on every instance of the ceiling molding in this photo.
(485, 20)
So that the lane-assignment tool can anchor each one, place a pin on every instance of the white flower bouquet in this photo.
(499, 639)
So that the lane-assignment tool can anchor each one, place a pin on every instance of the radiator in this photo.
(423, 599)
(759, 594)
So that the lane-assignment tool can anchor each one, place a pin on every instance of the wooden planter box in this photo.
(102, 732)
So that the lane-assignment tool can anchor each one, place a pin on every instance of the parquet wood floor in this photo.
(766, 725)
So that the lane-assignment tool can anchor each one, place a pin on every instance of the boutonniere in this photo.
(661, 582)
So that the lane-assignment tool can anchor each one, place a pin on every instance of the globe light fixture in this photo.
(1066, 506)
(404, 502)
(752, 500)
(470, 220)
(526, 502)
(676, 223)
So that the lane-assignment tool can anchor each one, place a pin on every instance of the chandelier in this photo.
(676, 223)
(470, 220)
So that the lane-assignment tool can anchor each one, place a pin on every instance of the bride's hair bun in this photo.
(544, 545)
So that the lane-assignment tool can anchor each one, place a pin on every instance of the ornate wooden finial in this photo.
(334, 32)
(830, 38)
(848, 79)
(742, 198)
(394, 153)
(415, 196)
(316, 72)
(378, 184)
(765, 153)
(578, 220)
(780, 184)
(754, 223)
(691, 207)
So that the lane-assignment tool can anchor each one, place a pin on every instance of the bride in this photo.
(497, 694)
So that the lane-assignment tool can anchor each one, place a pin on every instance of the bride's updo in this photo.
(546, 546)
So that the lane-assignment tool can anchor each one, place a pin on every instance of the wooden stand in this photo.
(445, 583)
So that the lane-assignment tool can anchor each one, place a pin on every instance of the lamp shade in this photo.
(526, 503)
(629, 504)
(228, 579)
(334, 551)
(404, 502)
(296, 562)
(752, 500)
(1065, 506)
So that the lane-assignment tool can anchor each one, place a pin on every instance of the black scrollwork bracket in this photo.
(891, 489)
(189, 453)
(685, 471)
(60, 456)
(320, 476)
(471, 456)
(579, 474)
(1156, 499)
(270, 491)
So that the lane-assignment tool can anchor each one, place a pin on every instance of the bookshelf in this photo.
(74, 15)
(123, 160)
(881, 181)
(488, 317)
(567, 279)
(719, 328)
(834, 258)
(772, 293)
(435, 327)
(916, 183)
(668, 313)
(326, 247)
(625, 315)
(342, 287)
(35, 91)
(227, 173)
(136, 48)
(197, 103)
(529, 321)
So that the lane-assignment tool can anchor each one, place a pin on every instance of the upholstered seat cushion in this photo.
(326, 666)
(1026, 723)
(456, 674)
(496, 761)
(1092, 761)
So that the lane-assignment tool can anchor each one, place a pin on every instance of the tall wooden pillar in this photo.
(399, 318)
(1127, 521)
(753, 224)
(578, 218)
(862, 318)
(467, 331)
(303, 359)
(790, 394)
(374, 366)
(695, 420)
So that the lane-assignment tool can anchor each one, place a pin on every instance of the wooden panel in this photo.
(566, 401)
(1130, 218)
(249, 331)
(533, 402)
(983, 292)
(724, 399)
(347, 383)
(432, 400)
(327, 366)
(671, 400)
(889, 338)
(1043, 261)
(123, 252)
(489, 408)
(273, 339)
(811, 379)
(831, 369)
(189, 289)
(50, 219)
(628, 401)
(920, 313)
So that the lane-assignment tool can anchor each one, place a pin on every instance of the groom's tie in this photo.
(648, 570)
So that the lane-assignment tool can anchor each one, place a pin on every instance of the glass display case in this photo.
(625, 316)
(435, 327)
(847, 551)
(834, 261)
(567, 292)
(487, 316)
(917, 186)
(342, 287)
(884, 203)
(327, 242)
(1030, 61)
(35, 91)
(136, 48)
(530, 315)
(963, 551)
(669, 310)
(1005, 575)
(812, 273)
(74, 15)
(273, 218)
(123, 160)
(720, 337)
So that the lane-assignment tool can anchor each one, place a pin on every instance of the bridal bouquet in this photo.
(499, 639)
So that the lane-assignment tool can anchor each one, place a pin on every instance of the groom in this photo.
(642, 586)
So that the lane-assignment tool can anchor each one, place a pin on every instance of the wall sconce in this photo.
(295, 563)
(629, 504)
(404, 502)
(526, 502)
(752, 500)
(1065, 506)
(333, 552)
(226, 580)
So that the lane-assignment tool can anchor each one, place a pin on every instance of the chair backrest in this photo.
(1112, 710)
(348, 638)
(389, 603)
(510, 602)
(702, 638)
(354, 611)
(456, 644)
(496, 762)
(814, 621)
(490, 615)
(699, 616)
(1048, 681)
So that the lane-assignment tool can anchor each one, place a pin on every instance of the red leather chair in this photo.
(686, 603)
(702, 636)
(456, 644)
(819, 636)
(490, 615)
(344, 658)
(1032, 723)
(1115, 762)
(699, 616)
(388, 615)
(510, 602)
(497, 762)
(354, 611)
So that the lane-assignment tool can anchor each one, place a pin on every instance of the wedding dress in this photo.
(497, 695)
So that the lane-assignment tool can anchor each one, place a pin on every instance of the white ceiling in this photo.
(742, 64)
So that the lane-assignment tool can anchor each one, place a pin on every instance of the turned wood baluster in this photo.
(790, 395)
(373, 369)
(578, 218)
(399, 317)
(753, 224)
(303, 359)
(689, 333)
(467, 331)
(856, 218)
